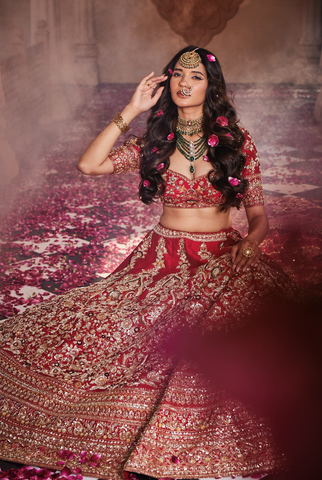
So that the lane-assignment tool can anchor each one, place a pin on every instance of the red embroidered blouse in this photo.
(182, 192)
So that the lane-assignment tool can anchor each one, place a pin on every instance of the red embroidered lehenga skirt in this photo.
(84, 370)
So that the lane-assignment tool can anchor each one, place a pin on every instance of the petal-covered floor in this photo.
(61, 229)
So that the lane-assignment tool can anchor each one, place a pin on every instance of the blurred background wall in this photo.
(261, 43)
(53, 52)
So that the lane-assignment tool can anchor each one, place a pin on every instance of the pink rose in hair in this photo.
(213, 140)
(239, 195)
(160, 166)
(146, 183)
(170, 136)
(211, 58)
(160, 113)
(233, 181)
(222, 121)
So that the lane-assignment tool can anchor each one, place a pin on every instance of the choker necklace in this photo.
(191, 150)
(189, 127)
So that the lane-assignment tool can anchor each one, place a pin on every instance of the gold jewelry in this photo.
(189, 127)
(118, 120)
(147, 83)
(248, 252)
(190, 59)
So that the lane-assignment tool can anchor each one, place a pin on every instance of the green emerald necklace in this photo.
(190, 149)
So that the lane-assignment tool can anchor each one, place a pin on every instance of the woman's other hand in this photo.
(147, 94)
(246, 253)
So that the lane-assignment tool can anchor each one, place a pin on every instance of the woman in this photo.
(85, 378)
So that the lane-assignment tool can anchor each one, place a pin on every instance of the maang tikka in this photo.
(190, 59)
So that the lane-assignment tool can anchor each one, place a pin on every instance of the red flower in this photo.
(222, 121)
(155, 150)
(213, 140)
(160, 113)
(239, 195)
(160, 166)
(170, 136)
(146, 183)
(170, 71)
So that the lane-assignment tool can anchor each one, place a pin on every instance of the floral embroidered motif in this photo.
(126, 158)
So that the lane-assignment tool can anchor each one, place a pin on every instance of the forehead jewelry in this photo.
(190, 59)
(186, 91)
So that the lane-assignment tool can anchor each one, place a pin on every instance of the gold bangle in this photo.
(118, 120)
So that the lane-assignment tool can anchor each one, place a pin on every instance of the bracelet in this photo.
(118, 120)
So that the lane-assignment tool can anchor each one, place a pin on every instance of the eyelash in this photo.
(177, 74)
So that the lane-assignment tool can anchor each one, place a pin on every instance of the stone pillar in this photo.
(318, 105)
(310, 42)
(18, 43)
(42, 36)
(85, 45)
(19, 92)
(38, 12)
(8, 164)
(49, 11)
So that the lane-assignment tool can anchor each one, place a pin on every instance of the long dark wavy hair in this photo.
(226, 158)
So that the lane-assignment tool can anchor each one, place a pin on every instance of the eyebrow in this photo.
(193, 71)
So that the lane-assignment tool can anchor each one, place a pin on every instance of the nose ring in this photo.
(186, 91)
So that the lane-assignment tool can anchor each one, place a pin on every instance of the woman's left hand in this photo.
(245, 254)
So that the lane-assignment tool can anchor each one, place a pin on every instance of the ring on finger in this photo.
(248, 252)
(147, 83)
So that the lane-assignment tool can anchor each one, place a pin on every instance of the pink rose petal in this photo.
(211, 58)
(160, 166)
(213, 140)
(233, 181)
(146, 183)
(222, 121)
(170, 136)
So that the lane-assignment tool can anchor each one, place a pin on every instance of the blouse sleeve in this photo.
(254, 193)
(126, 158)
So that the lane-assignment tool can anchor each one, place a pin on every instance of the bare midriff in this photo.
(195, 219)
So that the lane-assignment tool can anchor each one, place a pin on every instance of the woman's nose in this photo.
(183, 81)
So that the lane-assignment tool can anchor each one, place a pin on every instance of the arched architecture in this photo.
(197, 21)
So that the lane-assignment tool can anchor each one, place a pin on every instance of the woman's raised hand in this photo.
(94, 160)
(142, 99)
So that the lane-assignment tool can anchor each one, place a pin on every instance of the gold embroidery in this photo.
(100, 383)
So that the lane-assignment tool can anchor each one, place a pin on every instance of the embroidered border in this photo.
(197, 236)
